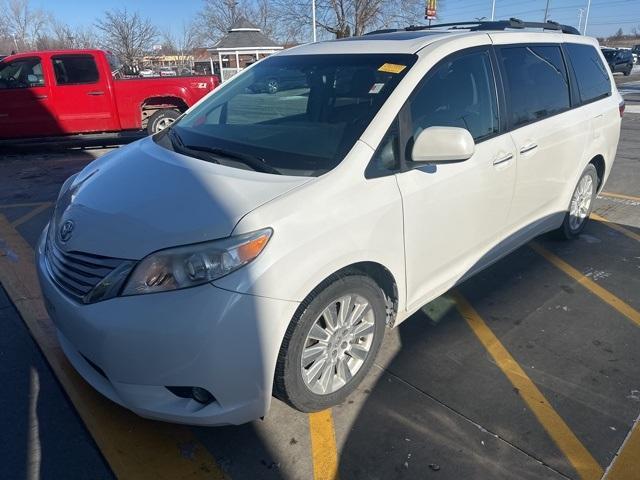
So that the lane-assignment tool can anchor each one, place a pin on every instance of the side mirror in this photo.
(443, 145)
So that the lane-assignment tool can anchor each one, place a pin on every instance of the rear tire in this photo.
(581, 204)
(334, 365)
(161, 120)
(628, 72)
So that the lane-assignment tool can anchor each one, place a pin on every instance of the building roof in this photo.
(244, 35)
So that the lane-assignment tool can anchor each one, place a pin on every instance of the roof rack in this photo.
(512, 23)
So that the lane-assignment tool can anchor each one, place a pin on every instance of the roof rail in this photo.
(512, 23)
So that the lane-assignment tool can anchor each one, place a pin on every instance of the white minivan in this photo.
(263, 243)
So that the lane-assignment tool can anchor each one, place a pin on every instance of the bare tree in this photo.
(61, 35)
(23, 23)
(343, 18)
(217, 16)
(182, 43)
(126, 34)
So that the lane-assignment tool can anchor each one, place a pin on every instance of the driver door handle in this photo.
(502, 158)
(528, 147)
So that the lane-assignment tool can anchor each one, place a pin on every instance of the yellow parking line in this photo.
(626, 465)
(619, 195)
(604, 295)
(616, 227)
(558, 430)
(31, 214)
(133, 447)
(323, 446)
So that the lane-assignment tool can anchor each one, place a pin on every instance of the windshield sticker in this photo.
(392, 68)
(376, 88)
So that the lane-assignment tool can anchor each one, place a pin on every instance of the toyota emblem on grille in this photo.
(66, 230)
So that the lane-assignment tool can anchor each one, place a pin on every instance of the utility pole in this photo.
(493, 10)
(546, 11)
(580, 13)
(586, 18)
(313, 19)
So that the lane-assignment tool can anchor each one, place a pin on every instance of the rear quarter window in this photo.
(591, 74)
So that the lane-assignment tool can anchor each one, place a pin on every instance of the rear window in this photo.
(537, 83)
(591, 74)
(75, 69)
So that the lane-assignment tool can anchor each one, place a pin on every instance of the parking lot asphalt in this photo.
(531, 369)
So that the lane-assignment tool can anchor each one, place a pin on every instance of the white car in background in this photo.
(264, 243)
(147, 72)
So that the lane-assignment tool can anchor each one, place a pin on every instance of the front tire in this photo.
(581, 204)
(161, 119)
(331, 343)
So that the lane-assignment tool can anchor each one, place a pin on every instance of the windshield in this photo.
(300, 114)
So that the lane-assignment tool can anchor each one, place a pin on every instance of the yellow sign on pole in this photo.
(431, 9)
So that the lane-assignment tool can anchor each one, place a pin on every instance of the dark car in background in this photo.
(278, 80)
(619, 60)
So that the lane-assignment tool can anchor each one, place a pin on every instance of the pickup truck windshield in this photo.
(300, 114)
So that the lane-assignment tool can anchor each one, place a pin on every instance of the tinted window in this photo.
(458, 93)
(300, 114)
(591, 74)
(23, 73)
(75, 69)
(536, 82)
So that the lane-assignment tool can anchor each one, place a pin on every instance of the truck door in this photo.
(25, 105)
(82, 99)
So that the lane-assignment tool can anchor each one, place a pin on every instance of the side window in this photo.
(386, 159)
(459, 92)
(75, 69)
(536, 82)
(22, 73)
(591, 74)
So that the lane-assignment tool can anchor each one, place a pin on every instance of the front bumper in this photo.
(131, 348)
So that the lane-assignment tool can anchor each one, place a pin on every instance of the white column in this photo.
(257, 56)
(221, 68)
(586, 18)
(211, 63)
(237, 62)
(313, 17)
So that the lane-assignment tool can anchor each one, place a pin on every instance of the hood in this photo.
(143, 197)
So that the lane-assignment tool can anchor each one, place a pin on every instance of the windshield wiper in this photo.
(256, 163)
(178, 146)
(253, 161)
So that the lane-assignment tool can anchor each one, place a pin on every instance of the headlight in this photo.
(193, 265)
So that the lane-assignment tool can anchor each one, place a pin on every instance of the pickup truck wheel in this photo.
(161, 120)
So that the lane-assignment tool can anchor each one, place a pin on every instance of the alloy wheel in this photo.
(337, 344)
(581, 202)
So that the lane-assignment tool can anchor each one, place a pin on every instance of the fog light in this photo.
(201, 395)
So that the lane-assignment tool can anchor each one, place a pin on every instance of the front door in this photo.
(25, 103)
(454, 214)
(83, 102)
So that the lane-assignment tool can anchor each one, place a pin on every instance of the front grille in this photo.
(76, 272)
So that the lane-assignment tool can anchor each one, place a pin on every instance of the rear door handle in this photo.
(95, 93)
(41, 97)
(528, 147)
(502, 158)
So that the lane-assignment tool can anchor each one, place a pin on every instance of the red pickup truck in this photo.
(55, 93)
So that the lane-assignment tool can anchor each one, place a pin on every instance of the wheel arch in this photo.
(152, 104)
(601, 166)
(374, 270)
